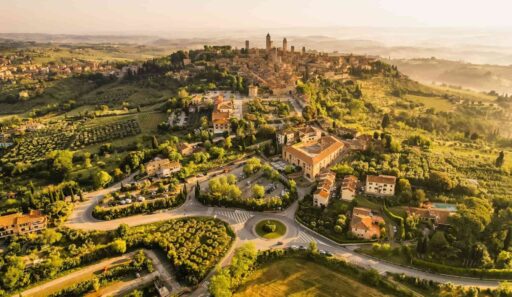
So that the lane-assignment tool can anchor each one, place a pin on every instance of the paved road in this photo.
(162, 270)
(39, 290)
(243, 223)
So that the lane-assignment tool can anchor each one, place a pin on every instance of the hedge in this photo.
(472, 272)
(111, 213)
(398, 219)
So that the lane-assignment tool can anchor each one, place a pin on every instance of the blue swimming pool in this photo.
(445, 206)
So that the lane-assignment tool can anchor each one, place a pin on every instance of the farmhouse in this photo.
(222, 112)
(437, 213)
(365, 224)
(185, 148)
(162, 167)
(313, 156)
(381, 185)
(19, 224)
(349, 187)
(293, 135)
(323, 191)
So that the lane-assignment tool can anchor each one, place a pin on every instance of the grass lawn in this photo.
(300, 277)
(436, 103)
(280, 229)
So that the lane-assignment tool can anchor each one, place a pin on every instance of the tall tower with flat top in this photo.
(285, 45)
(268, 43)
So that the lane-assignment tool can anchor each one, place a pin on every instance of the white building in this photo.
(381, 185)
(349, 188)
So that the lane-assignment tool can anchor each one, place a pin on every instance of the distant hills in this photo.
(456, 73)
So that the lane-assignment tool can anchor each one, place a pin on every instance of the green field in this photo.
(436, 103)
(280, 229)
(299, 277)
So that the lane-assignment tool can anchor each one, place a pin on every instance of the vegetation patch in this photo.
(270, 229)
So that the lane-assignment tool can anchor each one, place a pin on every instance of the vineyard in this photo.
(34, 146)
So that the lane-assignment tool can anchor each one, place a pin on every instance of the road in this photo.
(243, 223)
(162, 270)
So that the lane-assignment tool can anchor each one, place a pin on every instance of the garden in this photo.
(193, 247)
(270, 229)
(261, 188)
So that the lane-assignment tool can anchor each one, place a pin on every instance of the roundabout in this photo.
(270, 229)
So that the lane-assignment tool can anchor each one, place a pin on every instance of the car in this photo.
(123, 202)
(279, 243)
(294, 247)
(302, 247)
(128, 201)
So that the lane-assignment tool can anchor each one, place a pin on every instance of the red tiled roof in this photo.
(381, 179)
(328, 145)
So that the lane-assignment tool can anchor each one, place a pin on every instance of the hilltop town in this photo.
(153, 173)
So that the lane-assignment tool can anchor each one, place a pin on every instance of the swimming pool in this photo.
(445, 206)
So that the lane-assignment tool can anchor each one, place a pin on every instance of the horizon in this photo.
(157, 16)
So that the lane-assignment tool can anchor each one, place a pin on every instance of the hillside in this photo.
(455, 73)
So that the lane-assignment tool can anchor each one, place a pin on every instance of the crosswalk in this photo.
(304, 238)
(238, 216)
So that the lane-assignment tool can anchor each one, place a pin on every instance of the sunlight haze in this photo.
(115, 16)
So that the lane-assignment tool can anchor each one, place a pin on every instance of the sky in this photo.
(157, 16)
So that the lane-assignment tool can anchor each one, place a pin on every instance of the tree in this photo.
(229, 143)
(50, 236)
(500, 160)
(441, 181)
(386, 121)
(122, 230)
(438, 242)
(154, 142)
(404, 189)
(220, 284)
(101, 178)
(258, 191)
(419, 196)
(118, 246)
(252, 165)
(504, 260)
(61, 162)
(217, 152)
(313, 247)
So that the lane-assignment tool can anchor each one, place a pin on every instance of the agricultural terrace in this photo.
(105, 133)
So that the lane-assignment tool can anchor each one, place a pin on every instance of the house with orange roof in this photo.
(324, 188)
(222, 113)
(313, 156)
(365, 224)
(162, 167)
(349, 187)
(19, 224)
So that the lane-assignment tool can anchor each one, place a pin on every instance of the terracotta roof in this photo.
(363, 218)
(220, 117)
(381, 179)
(314, 151)
(18, 218)
(349, 182)
(440, 216)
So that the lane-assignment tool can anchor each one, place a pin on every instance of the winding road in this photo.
(243, 222)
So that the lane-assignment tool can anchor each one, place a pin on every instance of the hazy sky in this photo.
(146, 16)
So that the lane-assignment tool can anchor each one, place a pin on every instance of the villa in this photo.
(313, 156)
